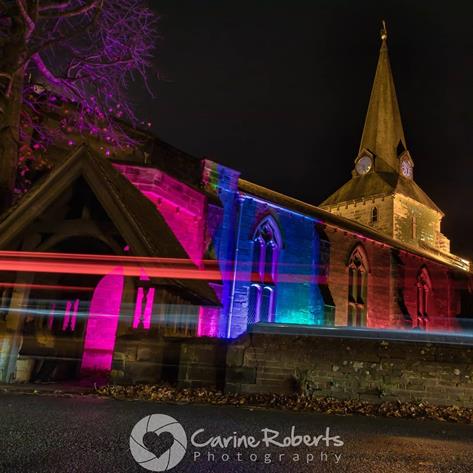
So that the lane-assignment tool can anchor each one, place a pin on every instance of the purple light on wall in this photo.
(75, 309)
(102, 323)
(51, 317)
(140, 316)
(208, 322)
(209, 317)
(70, 316)
(148, 309)
(138, 307)
(67, 312)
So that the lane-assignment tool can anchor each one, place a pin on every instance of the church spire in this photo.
(383, 134)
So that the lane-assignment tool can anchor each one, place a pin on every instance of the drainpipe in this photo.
(232, 297)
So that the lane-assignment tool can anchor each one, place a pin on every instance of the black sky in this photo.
(279, 90)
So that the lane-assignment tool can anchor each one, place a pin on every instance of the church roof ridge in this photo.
(326, 217)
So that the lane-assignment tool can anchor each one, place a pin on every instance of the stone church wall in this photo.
(379, 277)
(414, 223)
(392, 285)
(362, 212)
(443, 295)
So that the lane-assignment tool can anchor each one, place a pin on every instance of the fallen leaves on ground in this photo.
(297, 402)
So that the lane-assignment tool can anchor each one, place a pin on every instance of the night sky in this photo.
(279, 91)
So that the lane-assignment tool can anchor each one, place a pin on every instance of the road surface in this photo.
(42, 434)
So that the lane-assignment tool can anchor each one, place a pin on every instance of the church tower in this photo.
(382, 192)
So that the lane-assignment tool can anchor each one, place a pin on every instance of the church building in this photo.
(108, 259)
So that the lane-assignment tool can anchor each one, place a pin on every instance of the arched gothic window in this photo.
(357, 288)
(424, 289)
(374, 215)
(262, 295)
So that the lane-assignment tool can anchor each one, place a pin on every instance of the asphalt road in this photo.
(42, 434)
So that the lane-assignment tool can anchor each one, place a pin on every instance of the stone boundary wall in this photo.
(188, 363)
(342, 367)
(349, 368)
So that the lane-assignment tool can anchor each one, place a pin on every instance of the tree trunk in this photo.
(12, 70)
(9, 138)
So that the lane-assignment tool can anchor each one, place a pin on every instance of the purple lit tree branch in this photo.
(75, 58)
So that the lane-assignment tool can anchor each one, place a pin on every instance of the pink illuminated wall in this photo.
(209, 317)
(208, 321)
(102, 323)
(182, 207)
(184, 210)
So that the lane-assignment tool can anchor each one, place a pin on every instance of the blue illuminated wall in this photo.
(298, 298)
(221, 183)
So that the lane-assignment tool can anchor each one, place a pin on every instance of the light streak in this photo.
(101, 265)
(46, 287)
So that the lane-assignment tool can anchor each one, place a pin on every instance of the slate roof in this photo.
(171, 160)
(376, 184)
(383, 131)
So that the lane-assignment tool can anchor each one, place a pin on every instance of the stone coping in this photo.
(402, 335)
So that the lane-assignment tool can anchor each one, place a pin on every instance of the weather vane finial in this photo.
(384, 31)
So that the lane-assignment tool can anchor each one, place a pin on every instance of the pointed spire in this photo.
(383, 132)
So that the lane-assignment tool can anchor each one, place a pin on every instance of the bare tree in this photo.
(85, 53)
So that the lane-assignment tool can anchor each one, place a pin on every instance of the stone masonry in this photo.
(374, 370)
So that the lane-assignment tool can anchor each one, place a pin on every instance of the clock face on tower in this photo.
(363, 165)
(406, 168)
